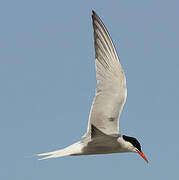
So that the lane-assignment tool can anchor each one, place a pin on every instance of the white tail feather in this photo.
(75, 148)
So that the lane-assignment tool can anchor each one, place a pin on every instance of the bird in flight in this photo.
(103, 136)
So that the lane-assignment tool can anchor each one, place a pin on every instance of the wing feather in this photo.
(111, 92)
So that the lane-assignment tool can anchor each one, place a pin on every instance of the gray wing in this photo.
(111, 92)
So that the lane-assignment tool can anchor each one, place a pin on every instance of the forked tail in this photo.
(75, 148)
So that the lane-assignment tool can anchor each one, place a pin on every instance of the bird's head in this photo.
(131, 144)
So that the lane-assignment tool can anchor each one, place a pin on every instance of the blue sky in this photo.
(47, 84)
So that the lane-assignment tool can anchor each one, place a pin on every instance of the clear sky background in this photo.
(47, 84)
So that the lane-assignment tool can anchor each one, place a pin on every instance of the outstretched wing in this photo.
(111, 92)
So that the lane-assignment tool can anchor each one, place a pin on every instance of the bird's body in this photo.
(103, 136)
(100, 144)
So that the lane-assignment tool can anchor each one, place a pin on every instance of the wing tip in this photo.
(93, 12)
(94, 15)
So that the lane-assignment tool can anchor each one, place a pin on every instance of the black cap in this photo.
(133, 141)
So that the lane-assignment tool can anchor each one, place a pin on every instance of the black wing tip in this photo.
(93, 12)
(94, 15)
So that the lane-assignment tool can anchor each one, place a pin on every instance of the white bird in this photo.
(102, 136)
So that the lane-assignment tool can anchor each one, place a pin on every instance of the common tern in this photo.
(103, 136)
